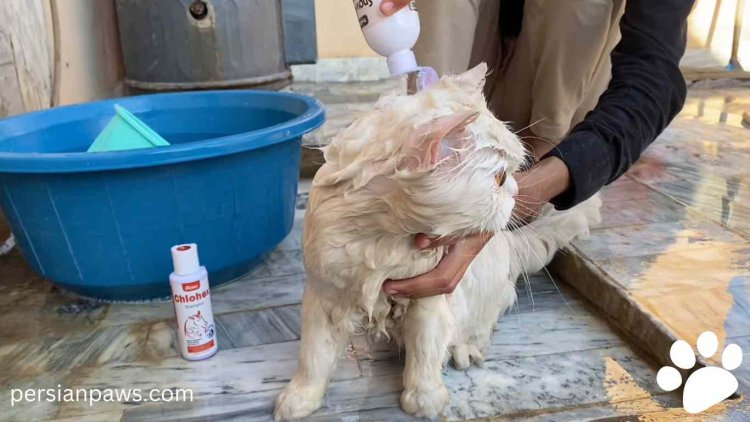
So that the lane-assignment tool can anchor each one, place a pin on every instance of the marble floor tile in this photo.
(743, 372)
(624, 188)
(257, 293)
(726, 204)
(687, 314)
(94, 417)
(37, 355)
(137, 313)
(679, 277)
(34, 307)
(273, 325)
(234, 371)
(656, 238)
(560, 380)
(561, 330)
(501, 387)
(256, 406)
(293, 241)
(652, 207)
(648, 409)
(365, 399)
(681, 270)
(142, 342)
(540, 292)
(279, 262)
(25, 410)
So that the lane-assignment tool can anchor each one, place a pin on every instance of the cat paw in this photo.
(295, 402)
(592, 210)
(466, 354)
(426, 401)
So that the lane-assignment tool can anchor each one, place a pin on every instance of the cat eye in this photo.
(500, 177)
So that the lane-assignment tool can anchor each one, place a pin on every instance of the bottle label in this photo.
(359, 4)
(201, 347)
(192, 303)
(364, 10)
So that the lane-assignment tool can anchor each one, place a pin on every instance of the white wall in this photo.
(706, 18)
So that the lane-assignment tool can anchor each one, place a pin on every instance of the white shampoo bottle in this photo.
(191, 297)
(390, 36)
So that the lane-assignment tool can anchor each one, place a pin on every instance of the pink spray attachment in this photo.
(426, 77)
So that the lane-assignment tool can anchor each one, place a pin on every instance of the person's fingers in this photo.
(528, 204)
(441, 280)
(422, 241)
(442, 291)
(435, 280)
(389, 7)
(446, 276)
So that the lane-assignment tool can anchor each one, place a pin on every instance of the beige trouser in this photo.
(549, 77)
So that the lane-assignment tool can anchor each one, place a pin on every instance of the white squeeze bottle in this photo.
(191, 296)
(390, 36)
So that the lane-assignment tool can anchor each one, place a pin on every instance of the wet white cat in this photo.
(437, 163)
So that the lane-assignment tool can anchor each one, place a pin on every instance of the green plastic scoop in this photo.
(125, 131)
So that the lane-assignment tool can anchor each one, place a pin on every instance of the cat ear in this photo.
(424, 149)
(474, 77)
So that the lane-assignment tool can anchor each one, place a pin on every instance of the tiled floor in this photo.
(552, 358)
(672, 254)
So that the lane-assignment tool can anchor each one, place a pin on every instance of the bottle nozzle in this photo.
(402, 62)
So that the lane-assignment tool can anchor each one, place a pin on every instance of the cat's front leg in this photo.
(319, 349)
(428, 329)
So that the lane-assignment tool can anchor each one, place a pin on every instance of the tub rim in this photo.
(80, 162)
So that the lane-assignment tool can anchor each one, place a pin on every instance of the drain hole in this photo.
(198, 9)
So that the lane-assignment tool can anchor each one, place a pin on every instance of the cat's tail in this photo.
(535, 244)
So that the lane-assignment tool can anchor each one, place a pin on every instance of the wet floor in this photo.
(550, 358)
(673, 243)
(675, 235)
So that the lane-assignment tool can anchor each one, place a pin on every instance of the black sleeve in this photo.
(647, 90)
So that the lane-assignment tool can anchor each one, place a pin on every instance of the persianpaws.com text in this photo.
(93, 396)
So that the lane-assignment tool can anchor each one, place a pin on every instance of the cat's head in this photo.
(439, 160)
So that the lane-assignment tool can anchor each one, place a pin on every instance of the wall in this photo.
(90, 64)
(711, 30)
(339, 35)
(338, 30)
(57, 52)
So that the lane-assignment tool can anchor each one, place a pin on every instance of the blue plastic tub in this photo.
(101, 224)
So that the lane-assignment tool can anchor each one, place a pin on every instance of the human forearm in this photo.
(646, 92)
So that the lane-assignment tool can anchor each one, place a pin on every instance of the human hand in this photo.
(449, 272)
(536, 186)
(389, 7)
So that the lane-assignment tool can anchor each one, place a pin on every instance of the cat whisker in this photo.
(529, 126)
